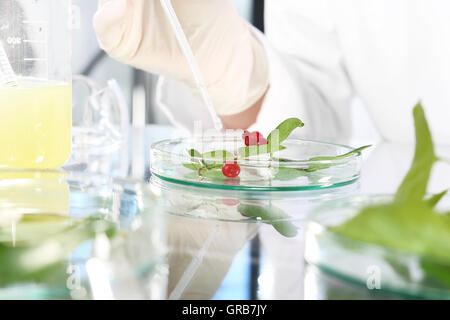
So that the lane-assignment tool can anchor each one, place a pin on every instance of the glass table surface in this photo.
(223, 245)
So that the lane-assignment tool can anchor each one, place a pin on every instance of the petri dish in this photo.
(79, 236)
(296, 171)
(376, 270)
(230, 205)
(228, 243)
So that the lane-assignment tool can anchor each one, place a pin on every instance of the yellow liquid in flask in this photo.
(35, 125)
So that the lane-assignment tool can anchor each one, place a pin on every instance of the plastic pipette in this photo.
(192, 62)
(8, 76)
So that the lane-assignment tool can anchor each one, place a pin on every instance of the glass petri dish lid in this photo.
(250, 206)
(378, 269)
(79, 236)
(302, 165)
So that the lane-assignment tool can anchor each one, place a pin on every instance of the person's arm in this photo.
(307, 76)
(244, 119)
(231, 60)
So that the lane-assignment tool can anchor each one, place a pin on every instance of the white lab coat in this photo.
(322, 53)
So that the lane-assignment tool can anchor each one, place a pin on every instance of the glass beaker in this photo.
(36, 109)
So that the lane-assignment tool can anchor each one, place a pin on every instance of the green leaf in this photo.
(399, 267)
(439, 273)
(414, 228)
(287, 174)
(194, 153)
(270, 215)
(284, 130)
(283, 160)
(251, 151)
(16, 264)
(409, 223)
(346, 155)
(222, 155)
(196, 160)
(208, 169)
(323, 166)
(414, 186)
(434, 200)
(214, 165)
(213, 175)
(192, 166)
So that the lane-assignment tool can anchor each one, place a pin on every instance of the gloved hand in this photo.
(231, 59)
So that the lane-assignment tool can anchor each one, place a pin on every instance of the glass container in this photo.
(226, 243)
(374, 270)
(296, 168)
(79, 236)
(35, 92)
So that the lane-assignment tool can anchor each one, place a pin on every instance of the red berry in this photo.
(231, 170)
(262, 141)
(246, 137)
(254, 138)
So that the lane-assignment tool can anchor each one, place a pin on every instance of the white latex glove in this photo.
(232, 61)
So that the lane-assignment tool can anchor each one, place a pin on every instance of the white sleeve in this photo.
(308, 79)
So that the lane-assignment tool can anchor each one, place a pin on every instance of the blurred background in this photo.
(139, 86)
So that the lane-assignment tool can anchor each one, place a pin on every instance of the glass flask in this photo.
(35, 87)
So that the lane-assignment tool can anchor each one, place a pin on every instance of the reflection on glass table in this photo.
(265, 265)
(214, 234)
(75, 236)
(302, 165)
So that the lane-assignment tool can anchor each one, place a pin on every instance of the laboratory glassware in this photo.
(191, 61)
(210, 231)
(100, 122)
(374, 270)
(67, 235)
(172, 162)
(35, 93)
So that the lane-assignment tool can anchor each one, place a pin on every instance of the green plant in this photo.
(211, 163)
(410, 222)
